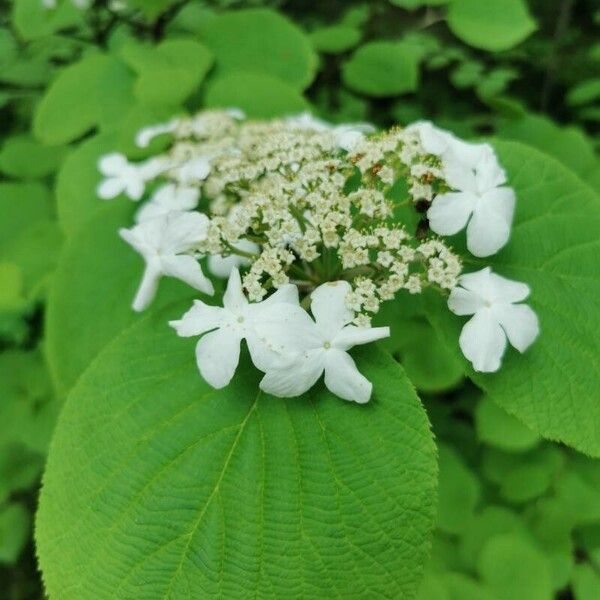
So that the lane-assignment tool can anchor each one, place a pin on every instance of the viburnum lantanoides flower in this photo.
(498, 317)
(299, 212)
(167, 244)
(321, 346)
(223, 329)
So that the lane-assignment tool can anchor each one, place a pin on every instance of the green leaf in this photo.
(459, 492)
(568, 144)
(586, 583)
(259, 96)
(182, 491)
(491, 25)
(260, 40)
(15, 522)
(335, 38)
(21, 205)
(12, 296)
(584, 92)
(152, 9)
(383, 68)
(491, 521)
(552, 388)
(77, 180)
(28, 410)
(513, 569)
(91, 293)
(65, 113)
(33, 20)
(497, 428)
(170, 72)
(414, 4)
(23, 157)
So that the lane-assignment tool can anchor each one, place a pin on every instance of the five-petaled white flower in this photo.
(322, 346)
(121, 176)
(480, 200)
(167, 243)
(491, 299)
(347, 136)
(223, 329)
(168, 198)
(221, 266)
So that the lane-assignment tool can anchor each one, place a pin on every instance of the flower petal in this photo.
(520, 323)
(187, 269)
(234, 298)
(506, 290)
(489, 227)
(109, 188)
(483, 341)
(134, 188)
(112, 164)
(199, 319)
(351, 335)
(464, 302)
(328, 306)
(449, 212)
(217, 356)
(344, 379)
(147, 288)
(295, 377)
(182, 231)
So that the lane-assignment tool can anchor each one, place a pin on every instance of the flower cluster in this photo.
(312, 213)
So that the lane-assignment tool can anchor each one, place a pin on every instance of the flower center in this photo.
(240, 319)
(327, 345)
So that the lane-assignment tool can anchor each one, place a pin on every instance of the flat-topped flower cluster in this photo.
(321, 214)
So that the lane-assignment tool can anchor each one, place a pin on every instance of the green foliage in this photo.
(296, 491)
(261, 41)
(492, 25)
(383, 68)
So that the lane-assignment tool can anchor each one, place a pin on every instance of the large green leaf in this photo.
(158, 486)
(91, 293)
(383, 68)
(553, 387)
(263, 41)
(491, 25)
(258, 95)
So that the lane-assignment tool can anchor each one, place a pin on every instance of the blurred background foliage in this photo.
(519, 517)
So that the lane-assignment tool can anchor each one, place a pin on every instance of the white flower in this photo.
(147, 134)
(121, 176)
(323, 347)
(194, 170)
(347, 136)
(166, 243)
(218, 350)
(222, 266)
(168, 198)
(479, 201)
(491, 300)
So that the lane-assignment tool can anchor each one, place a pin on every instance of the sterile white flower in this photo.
(193, 171)
(480, 200)
(121, 176)
(322, 346)
(218, 350)
(168, 198)
(147, 134)
(492, 300)
(167, 243)
(221, 266)
(347, 136)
